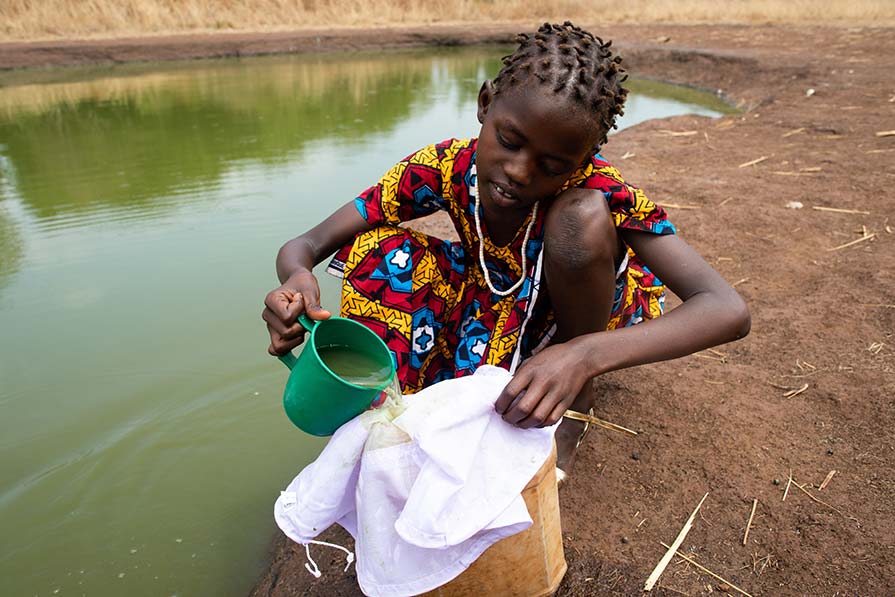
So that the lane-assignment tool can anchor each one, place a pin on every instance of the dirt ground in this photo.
(810, 391)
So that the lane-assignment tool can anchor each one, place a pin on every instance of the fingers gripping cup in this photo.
(343, 368)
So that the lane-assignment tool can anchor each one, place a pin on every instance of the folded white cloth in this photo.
(425, 493)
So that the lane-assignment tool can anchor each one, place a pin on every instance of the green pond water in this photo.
(141, 208)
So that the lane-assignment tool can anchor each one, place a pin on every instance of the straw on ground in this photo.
(854, 242)
(571, 414)
(670, 133)
(790, 391)
(679, 206)
(663, 563)
(839, 210)
(821, 502)
(753, 162)
(826, 480)
(749, 522)
(709, 572)
(796, 391)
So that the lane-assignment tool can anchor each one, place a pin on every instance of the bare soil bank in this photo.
(811, 390)
(179, 47)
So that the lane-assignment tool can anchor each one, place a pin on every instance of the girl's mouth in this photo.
(501, 195)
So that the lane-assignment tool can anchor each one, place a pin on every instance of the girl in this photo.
(558, 257)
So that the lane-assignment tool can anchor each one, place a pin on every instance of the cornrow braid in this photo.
(570, 61)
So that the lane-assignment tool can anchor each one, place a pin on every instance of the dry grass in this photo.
(54, 19)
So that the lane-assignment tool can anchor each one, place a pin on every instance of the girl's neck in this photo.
(503, 228)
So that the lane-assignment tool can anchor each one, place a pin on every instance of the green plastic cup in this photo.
(318, 399)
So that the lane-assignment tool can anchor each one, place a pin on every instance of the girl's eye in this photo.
(503, 141)
(553, 170)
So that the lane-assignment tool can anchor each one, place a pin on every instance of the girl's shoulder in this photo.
(605, 169)
(602, 174)
(448, 156)
(450, 149)
(598, 174)
(629, 205)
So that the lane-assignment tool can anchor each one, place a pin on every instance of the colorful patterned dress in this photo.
(427, 297)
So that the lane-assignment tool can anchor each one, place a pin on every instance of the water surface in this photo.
(141, 208)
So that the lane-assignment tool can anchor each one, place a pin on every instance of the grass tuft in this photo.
(56, 19)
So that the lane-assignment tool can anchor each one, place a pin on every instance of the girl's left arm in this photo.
(712, 313)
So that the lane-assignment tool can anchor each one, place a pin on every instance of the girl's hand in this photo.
(544, 386)
(299, 292)
(282, 306)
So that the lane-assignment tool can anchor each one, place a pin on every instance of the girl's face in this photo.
(530, 143)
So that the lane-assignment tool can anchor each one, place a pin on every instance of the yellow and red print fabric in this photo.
(427, 298)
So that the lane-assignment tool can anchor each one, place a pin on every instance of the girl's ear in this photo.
(486, 97)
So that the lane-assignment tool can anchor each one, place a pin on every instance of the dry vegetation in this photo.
(54, 19)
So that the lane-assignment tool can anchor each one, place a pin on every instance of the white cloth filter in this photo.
(424, 493)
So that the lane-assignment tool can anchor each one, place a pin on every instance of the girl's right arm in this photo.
(298, 292)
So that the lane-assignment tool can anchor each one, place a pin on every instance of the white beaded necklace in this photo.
(478, 229)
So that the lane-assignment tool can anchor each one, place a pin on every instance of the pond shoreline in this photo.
(816, 99)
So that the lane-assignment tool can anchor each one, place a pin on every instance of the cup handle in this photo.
(306, 322)
(288, 359)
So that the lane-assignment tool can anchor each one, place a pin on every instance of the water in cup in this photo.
(356, 368)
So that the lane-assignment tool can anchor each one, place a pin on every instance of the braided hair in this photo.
(569, 61)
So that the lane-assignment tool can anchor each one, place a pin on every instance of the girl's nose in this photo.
(519, 169)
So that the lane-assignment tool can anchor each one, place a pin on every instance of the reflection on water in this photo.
(11, 246)
(141, 208)
(205, 118)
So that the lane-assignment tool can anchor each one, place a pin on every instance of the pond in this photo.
(141, 208)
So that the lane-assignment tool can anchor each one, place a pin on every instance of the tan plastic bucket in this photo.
(528, 564)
